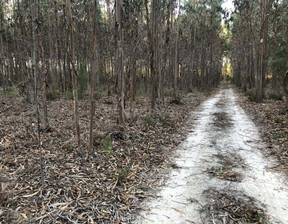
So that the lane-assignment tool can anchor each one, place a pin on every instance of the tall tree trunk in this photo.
(132, 71)
(285, 85)
(153, 45)
(262, 50)
(73, 73)
(166, 56)
(2, 76)
(93, 73)
(176, 63)
(45, 83)
(59, 73)
(119, 62)
(52, 58)
(35, 69)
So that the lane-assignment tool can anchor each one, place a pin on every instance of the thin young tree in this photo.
(93, 72)
(262, 51)
(35, 70)
(73, 72)
(2, 47)
(176, 62)
(119, 61)
(153, 50)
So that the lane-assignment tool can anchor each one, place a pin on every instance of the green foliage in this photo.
(53, 95)
(68, 94)
(275, 96)
(82, 80)
(132, 6)
(206, 92)
(162, 116)
(278, 64)
(283, 111)
(229, 78)
(163, 119)
(251, 95)
(278, 120)
(11, 91)
(278, 41)
(70, 148)
(148, 121)
(122, 174)
(140, 91)
(169, 92)
(107, 148)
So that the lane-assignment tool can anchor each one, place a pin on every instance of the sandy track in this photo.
(223, 137)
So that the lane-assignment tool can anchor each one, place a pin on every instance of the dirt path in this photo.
(220, 173)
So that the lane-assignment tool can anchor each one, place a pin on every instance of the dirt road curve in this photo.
(221, 173)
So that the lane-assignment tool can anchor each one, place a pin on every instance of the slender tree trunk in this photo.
(285, 85)
(35, 67)
(93, 73)
(2, 75)
(166, 56)
(160, 83)
(73, 73)
(176, 64)
(192, 59)
(262, 50)
(51, 61)
(59, 73)
(44, 85)
(119, 62)
(133, 34)
(132, 71)
(35, 50)
(153, 45)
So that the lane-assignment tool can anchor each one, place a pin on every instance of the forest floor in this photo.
(224, 172)
(271, 118)
(106, 187)
(131, 164)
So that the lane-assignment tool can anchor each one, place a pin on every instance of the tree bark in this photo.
(119, 62)
(93, 73)
(35, 67)
(73, 73)
(153, 45)
(2, 78)
(262, 50)
(176, 63)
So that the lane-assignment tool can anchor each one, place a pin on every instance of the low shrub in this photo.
(148, 121)
(275, 96)
(11, 91)
(68, 94)
(53, 95)
(251, 95)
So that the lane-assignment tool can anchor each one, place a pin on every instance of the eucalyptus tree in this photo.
(278, 42)
(201, 47)
(119, 60)
(2, 58)
(156, 44)
(94, 69)
(153, 39)
(259, 43)
(73, 72)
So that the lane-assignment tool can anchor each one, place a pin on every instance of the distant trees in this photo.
(152, 47)
(259, 44)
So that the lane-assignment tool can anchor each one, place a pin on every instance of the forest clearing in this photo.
(144, 111)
